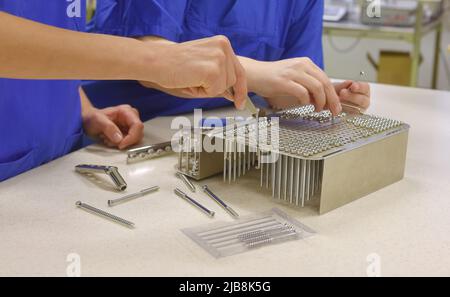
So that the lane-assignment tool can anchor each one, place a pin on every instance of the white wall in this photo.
(348, 65)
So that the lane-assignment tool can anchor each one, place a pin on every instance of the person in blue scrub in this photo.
(43, 111)
(279, 44)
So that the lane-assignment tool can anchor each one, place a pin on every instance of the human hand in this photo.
(118, 126)
(356, 93)
(292, 82)
(201, 68)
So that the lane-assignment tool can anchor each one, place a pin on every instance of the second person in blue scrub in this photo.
(279, 44)
(43, 56)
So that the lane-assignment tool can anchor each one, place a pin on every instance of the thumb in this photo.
(111, 131)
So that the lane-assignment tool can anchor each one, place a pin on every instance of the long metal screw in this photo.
(104, 214)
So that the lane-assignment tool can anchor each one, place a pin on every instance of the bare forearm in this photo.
(36, 51)
(250, 66)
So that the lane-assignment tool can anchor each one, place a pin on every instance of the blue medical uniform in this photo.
(266, 30)
(40, 120)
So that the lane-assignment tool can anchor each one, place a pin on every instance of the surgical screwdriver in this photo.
(133, 196)
(183, 195)
(220, 202)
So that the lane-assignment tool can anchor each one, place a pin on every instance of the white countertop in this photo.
(406, 224)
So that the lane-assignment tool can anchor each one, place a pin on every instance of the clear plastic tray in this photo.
(247, 233)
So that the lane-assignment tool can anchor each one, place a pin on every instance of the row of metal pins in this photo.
(237, 159)
(291, 179)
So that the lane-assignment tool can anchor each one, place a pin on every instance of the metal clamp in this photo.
(112, 171)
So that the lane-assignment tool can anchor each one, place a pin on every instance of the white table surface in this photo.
(406, 224)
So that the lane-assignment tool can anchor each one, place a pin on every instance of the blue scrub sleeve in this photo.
(304, 37)
(136, 18)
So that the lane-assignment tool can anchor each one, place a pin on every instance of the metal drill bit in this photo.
(104, 214)
(183, 195)
(220, 201)
(133, 196)
(186, 181)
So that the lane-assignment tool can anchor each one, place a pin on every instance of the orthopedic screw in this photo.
(104, 214)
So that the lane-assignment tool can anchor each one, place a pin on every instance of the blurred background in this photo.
(395, 48)
(400, 42)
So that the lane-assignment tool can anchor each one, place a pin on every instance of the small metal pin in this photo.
(261, 168)
(186, 181)
(279, 171)
(285, 177)
(245, 159)
(273, 172)
(133, 196)
(291, 179)
(220, 201)
(225, 142)
(104, 214)
(239, 158)
(234, 158)
(183, 195)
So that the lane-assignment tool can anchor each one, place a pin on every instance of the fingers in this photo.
(360, 100)
(316, 89)
(342, 85)
(360, 88)
(240, 85)
(227, 73)
(128, 118)
(111, 131)
(299, 92)
(331, 98)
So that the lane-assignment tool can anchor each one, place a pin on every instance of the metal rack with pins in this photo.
(305, 156)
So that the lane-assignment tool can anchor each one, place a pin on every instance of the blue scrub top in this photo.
(266, 30)
(40, 120)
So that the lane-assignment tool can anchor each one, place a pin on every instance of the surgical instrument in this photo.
(186, 181)
(183, 195)
(133, 196)
(112, 171)
(104, 214)
(220, 201)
